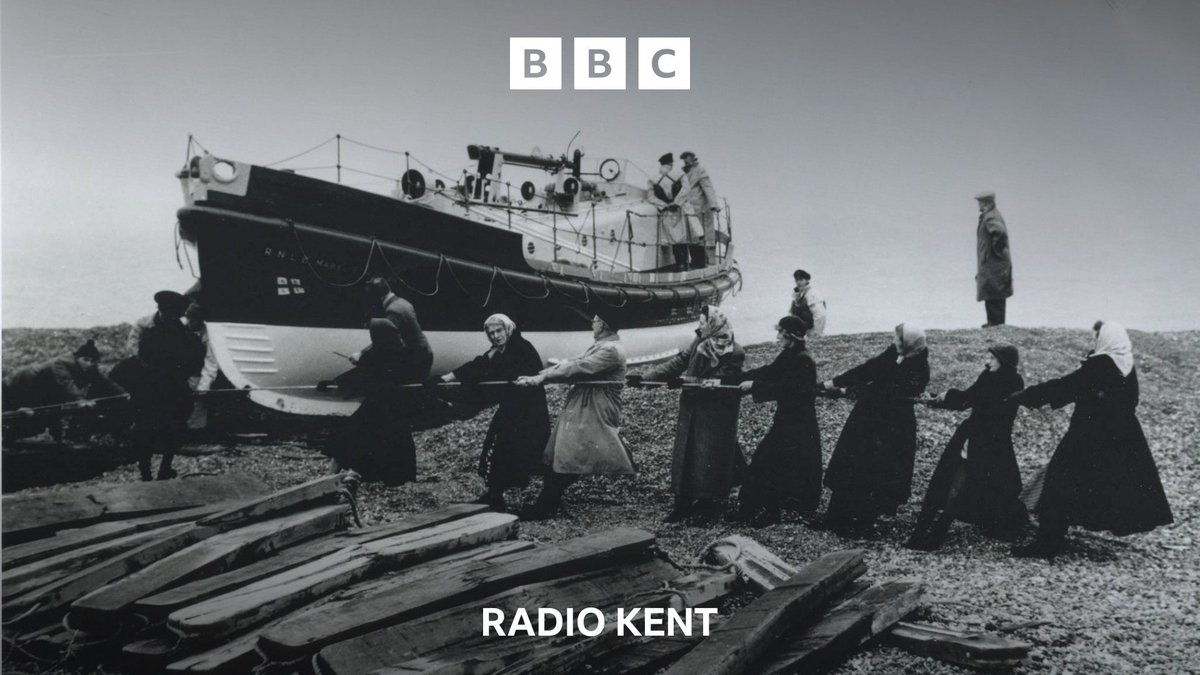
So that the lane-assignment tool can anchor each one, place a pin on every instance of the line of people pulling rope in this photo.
(1101, 477)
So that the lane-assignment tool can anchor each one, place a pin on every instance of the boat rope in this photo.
(199, 144)
(545, 288)
(312, 268)
(80, 403)
(399, 152)
(322, 144)
(437, 275)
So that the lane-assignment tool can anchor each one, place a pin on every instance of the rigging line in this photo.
(368, 173)
(491, 286)
(437, 275)
(372, 147)
(315, 168)
(545, 288)
(322, 144)
(312, 269)
(454, 276)
(200, 145)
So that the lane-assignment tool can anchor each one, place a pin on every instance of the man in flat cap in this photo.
(67, 379)
(993, 277)
(672, 235)
(700, 202)
(168, 355)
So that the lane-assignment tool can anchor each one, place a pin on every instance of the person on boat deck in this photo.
(586, 437)
(62, 380)
(706, 452)
(699, 201)
(672, 234)
(977, 480)
(807, 303)
(401, 313)
(516, 438)
(870, 472)
(1102, 475)
(168, 355)
(379, 442)
(785, 471)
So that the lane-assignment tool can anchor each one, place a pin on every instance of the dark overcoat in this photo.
(872, 463)
(706, 453)
(517, 436)
(991, 486)
(1102, 476)
(786, 468)
(993, 276)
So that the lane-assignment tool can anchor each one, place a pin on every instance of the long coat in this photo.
(872, 464)
(586, 438)
(990, 491)
(420, 356)
(786, 468)
(993, 276)
(60, 380)
(1102, 476)
(706, 452)
(516, 438)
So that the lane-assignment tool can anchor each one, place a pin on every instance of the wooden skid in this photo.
(280, 593)
(161, 604)
(975, 650)
(393, 602)
(747, 635)
(45, 572)
(27, 516)
(108, 605)
(761, 568)
(821, 646)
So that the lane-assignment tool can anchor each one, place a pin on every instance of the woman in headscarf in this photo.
(977, 480)
(786, 469)
(516, 438)
(1102, 476)
(706, 451)
(585, 439)
(870, 472)
(379, 444)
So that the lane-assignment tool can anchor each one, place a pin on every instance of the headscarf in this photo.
(1113, 341)
(714, 323)
(1007, 355)
(794, 327)
(509, 326)
(912, 341)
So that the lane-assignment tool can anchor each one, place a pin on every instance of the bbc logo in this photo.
(599, 63)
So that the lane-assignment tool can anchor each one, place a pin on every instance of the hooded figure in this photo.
(977, 479)
(516, 438)
(706, 452)
(1102, 475)
(586, 437)
(379, 443)
(870, 472)
(786, 468)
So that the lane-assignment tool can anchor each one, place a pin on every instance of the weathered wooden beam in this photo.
(301, 585)
(983, 651)
(159, 605)
(749, 633)
(391, 601)
(106, 607)
(29, 516)
(318, 489)
(68, 541)
(45, 572)
(821, 646)
(238, 654)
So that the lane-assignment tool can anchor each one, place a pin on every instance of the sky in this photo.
(848, 136)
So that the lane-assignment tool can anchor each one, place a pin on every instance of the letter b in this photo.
(534, 63)
(599, 63)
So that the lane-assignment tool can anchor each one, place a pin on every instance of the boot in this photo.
(681, 510)
(494, 498)
(705, 512)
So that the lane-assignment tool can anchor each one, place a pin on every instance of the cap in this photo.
(986, 196)
(1006, 354)
(687, 155)
(667, 159)
(793, 325)
(170, 302)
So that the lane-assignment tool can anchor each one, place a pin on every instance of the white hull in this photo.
(277, 362)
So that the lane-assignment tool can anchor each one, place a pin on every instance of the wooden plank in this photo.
(45, 572)
(238, 654)
(158, 606)
(822, 646)
(66, 541)
(27, 516)
(36, 604)
(983, 651)
(105, 607)
(299, 586)
(761, 568)
(394, 600)
(748, 634)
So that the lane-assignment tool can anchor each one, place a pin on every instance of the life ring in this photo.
(610, 169)
(571, 186)
(528, 190)
(413, 183)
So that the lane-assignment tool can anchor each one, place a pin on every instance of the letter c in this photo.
(654, 63)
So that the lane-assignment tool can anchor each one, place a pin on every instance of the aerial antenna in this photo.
(573, 141)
